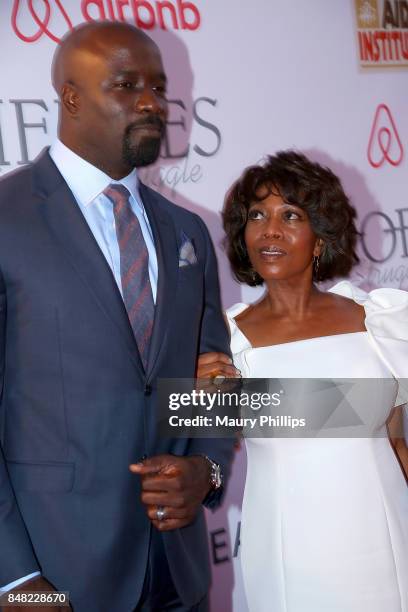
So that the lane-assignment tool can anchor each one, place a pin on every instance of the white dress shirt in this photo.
(87, 184)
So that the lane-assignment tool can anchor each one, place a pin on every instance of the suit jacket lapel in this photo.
(167, 257)
(73, 234)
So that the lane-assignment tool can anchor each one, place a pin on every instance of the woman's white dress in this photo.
(325, 521)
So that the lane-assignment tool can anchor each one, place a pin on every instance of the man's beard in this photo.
(147, 150)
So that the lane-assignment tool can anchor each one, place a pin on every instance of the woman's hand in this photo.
(212, 365)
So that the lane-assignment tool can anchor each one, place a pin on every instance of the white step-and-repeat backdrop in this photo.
(247, 78)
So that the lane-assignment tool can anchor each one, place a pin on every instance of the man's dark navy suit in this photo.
(77, 407)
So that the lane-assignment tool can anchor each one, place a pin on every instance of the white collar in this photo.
(85, 180)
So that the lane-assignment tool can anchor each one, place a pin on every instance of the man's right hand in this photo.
(35, 585)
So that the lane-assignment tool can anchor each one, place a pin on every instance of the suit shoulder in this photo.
(16, 193)
(16, 178)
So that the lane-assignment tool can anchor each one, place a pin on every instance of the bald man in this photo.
(105, 287)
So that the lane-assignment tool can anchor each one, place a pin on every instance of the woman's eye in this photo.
(292, 215)
(125, 85)
(254, 214)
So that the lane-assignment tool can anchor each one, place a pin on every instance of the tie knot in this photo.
(117, 193)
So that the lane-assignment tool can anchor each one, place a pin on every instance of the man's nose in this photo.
(148, 101)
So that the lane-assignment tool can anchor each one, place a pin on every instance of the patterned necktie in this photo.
(134, 270)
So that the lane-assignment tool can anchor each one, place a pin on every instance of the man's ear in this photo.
(70, 99)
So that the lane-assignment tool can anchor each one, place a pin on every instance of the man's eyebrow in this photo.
(123, 72)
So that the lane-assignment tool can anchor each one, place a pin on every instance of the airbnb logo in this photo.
(42, 22)
(146, 14)
(384, 143)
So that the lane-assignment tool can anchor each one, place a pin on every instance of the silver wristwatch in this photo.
(215, 474)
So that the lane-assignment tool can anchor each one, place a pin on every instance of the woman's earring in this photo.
(254, 276)
(316, 264)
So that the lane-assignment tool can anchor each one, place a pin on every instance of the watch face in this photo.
(216, 479)
(215, 474)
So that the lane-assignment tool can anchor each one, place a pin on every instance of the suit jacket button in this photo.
(147, 390)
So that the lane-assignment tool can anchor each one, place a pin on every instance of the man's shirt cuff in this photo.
(16, 583)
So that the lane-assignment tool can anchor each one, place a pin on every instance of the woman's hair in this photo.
(312, 187)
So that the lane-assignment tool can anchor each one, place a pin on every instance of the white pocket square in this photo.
(187, 255)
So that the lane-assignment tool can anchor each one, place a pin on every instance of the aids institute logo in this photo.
(382, 30)
(384, 145)
(32, 19)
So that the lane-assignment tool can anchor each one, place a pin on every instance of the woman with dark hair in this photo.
(324, 519)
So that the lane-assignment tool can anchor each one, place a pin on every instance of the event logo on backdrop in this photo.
(384, 144)
(384, 234)
(224, 545)
(384, 242)
(382, 30)
(53, 17)
(175, 166)
(170, 173)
